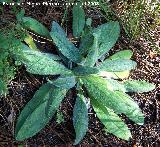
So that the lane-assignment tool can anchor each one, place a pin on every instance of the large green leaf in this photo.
(78, 19)
(138, 86)
(131, 110)
(125, 54)
(42, 63)
(111, 121)
(64, 82)
(36, 26)
(130, 86)
(64, 45)
(87, 38)
(86, 43)
(33, 117)
(80, 118)
(117, 65)
(109, 35)
(92, 56)
(85, 70)
(116, 100)
(114, 85)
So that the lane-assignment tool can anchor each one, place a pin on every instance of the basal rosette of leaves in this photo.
(104, 81)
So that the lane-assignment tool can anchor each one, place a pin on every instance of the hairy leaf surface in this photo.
(78, 19)
(37, 27)
(33, 117)
(66, 47)
(85, 70)
(116, 100)
(117, 65)
(92, 56)
(80, 118)
(138, 86)
(42, 63)
(64, 82)
(125, 54)
(109, 35)
(86, 43)
(131, 109)
(111, 121)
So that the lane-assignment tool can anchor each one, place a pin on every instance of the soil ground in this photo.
(22, 88)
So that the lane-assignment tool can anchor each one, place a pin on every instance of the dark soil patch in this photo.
(23, 87)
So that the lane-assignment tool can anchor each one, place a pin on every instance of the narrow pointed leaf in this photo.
(66, 47)
(78, 19)
(85, 70)
(64, 82)
(109, 35)
(111, 121)
(138, 86)
(33, 117)
(117, 65)
(37, 27)
(125, 54)
(80, 118)
(132, 111)
(92, 56)
(87, 38)
(56, 95)
(116, 100)
(42, 63)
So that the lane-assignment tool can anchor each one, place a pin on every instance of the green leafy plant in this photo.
(11, 36)
(102, 81)
(10, 39)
